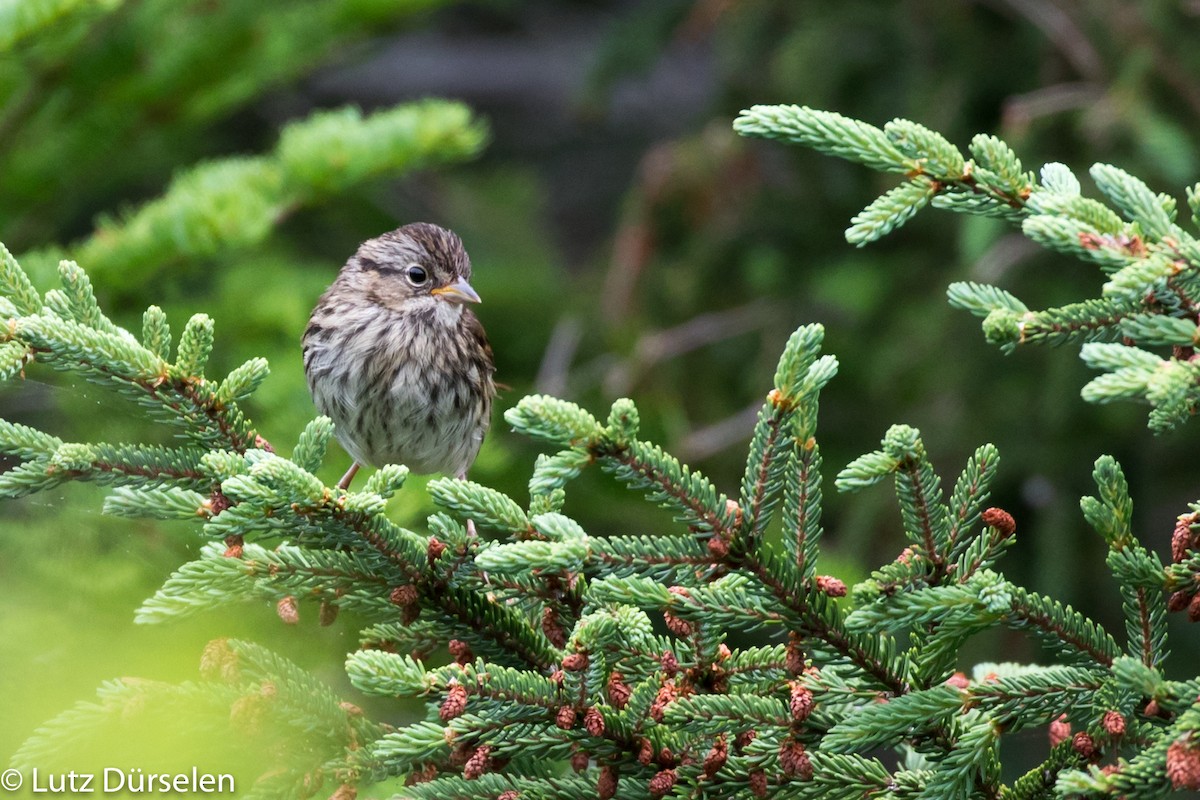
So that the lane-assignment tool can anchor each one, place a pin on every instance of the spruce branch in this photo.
(1139, 572)
(1060, 627)
(19, 21)
(246, 695)
(1040, 781)
(644, 466)
(971, 491)
(1151, 264)
(1035, 696)
(891, 722)
(827, 132)
(112, 357)
(667, 559)
(823, 620)
(236, 203)
(261, 494)
(891, 210)
(926, 518)
(342, 579)
(553, 655)
(800, 376)
(134, 465)
(802, 501)
(485, 506)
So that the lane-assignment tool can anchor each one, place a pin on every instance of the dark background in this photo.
(625, 242)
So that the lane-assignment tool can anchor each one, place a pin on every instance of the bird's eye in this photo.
(416, 275)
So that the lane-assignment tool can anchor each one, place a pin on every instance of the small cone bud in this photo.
(1178, 601)
(423, 775)
(219, 660)
(758, 783)
(455, 704)
(677, 626)
(216, 503)
(618, 691)
(662, 783)
(1001, 520)
(801, 704)
(831, 586)
(1183, 765)
(478, 763)
(666, 695)
(606, 786)
(288, 611)
(794, 759)
(565, 718)
(404, 595)
(795, 655)
(434, 549)
(718, 547)
(1113, 723)
(716, 757)
(1194, 608)
(461, 651)
(680, 627)
(551, 627)
(1181, 537)
(1084, 744)
(1060, 731)
(234, 543)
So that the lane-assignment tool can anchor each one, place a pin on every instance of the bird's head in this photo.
(417, 266)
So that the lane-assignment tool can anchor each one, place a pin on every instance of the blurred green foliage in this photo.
(724, 222)
(712, 252)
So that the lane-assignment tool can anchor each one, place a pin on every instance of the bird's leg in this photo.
(344, 483)
(462, 476)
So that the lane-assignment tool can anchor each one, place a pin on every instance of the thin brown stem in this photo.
(911, 472)
(835, 636)
(344, 483)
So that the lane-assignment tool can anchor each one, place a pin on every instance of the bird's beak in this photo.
(458, 292)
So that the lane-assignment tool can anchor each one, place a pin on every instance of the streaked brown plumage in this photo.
(397, 360)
